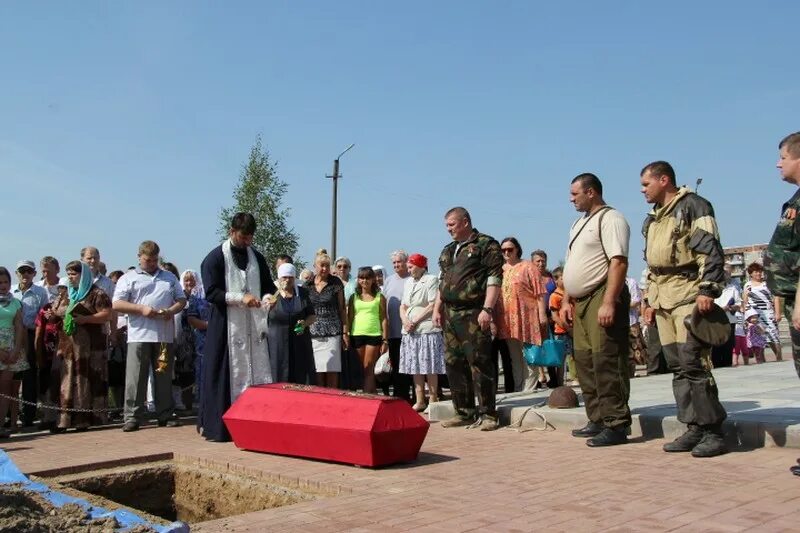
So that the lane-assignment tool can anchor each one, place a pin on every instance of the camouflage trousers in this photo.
(788, 310)
(689, 361)
(469, 363)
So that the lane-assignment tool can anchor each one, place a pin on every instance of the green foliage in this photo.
(260, 191)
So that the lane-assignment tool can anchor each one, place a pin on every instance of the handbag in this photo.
(383, 365)
(550, 353)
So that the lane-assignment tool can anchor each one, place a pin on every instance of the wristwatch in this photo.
(488, 310)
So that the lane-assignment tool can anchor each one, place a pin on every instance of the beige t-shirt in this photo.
(586, 265)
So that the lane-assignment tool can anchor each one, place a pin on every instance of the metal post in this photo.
(335, 193)
(335, 178)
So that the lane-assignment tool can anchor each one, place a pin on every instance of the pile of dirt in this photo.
(23, 511)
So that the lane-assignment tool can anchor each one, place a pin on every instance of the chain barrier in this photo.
(51, 407)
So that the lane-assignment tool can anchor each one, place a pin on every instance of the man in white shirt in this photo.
(151, 297)
(393, 292)
(597, 303)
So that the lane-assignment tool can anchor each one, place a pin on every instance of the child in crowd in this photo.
(756, 336)
(12, 345)
(740, 345)
(561, 330)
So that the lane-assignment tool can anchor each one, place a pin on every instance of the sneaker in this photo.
(170, 423)
(457, 421)
(686, 442)
(711, 445)
(130, 425)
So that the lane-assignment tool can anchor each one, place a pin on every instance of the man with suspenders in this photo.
(596, 303)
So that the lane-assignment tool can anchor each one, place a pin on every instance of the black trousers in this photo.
(401, 383)
(30, 382)
(656, 363)
(722, 356)
(501, 354)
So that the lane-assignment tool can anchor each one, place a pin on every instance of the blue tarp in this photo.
(10, 474)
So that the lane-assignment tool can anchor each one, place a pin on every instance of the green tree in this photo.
(260, 192)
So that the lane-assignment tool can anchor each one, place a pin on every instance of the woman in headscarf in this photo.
(193, 325)
(380, 276)
(82, 348)
(290, 314)
(422, 345)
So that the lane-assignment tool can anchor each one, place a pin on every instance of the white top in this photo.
(586, 266)
(739, 329)
(105, 284)
(636, 299)
(731, 295)
(417, 295)
(158, 291)
(393, 288)
(52, 290)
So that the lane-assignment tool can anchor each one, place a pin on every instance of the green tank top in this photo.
(367, 316)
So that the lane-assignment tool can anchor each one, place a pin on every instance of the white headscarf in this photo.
(287, 270)
(198, 290)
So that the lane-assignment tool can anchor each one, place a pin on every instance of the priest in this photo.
(237, 283)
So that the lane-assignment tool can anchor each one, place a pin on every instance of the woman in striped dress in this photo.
(758, 297)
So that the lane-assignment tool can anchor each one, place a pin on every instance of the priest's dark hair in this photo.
(244, 222)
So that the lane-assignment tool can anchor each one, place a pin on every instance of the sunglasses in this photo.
(25, 270)
(508, 250)
(343, 267)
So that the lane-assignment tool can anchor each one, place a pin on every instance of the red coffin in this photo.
(328, 424)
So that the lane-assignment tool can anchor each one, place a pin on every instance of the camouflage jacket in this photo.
(683, 253)
(782, 258)
(469, 267)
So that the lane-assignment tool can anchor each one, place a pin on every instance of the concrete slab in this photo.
(763, 403)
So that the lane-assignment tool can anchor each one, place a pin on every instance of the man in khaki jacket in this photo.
(685, 261)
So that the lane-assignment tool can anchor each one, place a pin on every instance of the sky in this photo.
(127, 121)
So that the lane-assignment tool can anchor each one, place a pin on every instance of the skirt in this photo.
(422, 353)
(327, 353)
(7, 343)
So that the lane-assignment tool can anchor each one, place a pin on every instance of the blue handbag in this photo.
(550, 353)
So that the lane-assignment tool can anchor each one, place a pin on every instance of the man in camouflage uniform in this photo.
(685, 262)
(471, 274)
(782, 258)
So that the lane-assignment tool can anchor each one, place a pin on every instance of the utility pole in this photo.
(335, 178)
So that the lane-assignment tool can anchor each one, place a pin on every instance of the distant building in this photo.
(738, 257)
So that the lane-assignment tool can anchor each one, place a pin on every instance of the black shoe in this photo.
(589, 430)
(795, 470)
(608, 437)
(712, 445)
(170, 423)
(57, 430)
(130, 425)
(686, 442)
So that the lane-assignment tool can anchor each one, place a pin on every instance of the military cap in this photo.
(712, 328)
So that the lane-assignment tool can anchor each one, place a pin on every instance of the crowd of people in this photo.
(151, 340)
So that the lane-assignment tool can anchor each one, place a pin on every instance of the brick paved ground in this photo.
(470, 480)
